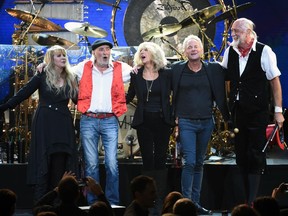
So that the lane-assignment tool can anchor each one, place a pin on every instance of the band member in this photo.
(152, 119)
(253, 73)
(196, 85)
(101, 100)
(53, 147)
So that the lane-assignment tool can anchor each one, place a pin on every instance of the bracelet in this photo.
(278, 109)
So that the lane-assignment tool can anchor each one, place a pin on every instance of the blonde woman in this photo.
(52, 150)
(152, 119)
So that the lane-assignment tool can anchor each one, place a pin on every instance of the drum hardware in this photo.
(50, 40)
(130, 141)
(161, 31)
(115, 7)
(32, 19)
(181, 57)
(199, 22)
(231, 12)
(222, 137)
(85, 29)
(202, 16)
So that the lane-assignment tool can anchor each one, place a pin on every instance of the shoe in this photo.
(203, 211)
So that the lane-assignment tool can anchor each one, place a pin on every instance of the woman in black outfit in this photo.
(53, 148)
(152, 119)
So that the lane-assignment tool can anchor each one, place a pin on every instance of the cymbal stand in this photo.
(172, 47)
(204, 35)
(23, 34)
(88, 45)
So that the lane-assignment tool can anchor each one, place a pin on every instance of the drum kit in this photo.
(200, 19)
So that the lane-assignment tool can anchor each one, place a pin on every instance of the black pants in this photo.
(250, 140)
(153, 136)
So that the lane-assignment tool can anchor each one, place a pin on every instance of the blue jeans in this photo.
(91, 130)
(194, 138)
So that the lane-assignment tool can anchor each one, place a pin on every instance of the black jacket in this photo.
(136, 90)
(216, 79)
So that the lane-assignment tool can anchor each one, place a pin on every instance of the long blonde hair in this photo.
(157, 55)
(52, 77)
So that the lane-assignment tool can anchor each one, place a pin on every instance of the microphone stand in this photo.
(130, 140)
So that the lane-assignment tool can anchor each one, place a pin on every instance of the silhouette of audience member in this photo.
(48, 213)
(68, 192)
(244, 210)
(280, 195)
(266, 206)
(100, 208)
(43, 208)
(143, 190)
(185, 207)
(170, 200)
(7, 202)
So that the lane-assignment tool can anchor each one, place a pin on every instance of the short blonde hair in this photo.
(157, 55)
(189, 38)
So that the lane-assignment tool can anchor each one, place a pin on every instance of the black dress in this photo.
(52, 128)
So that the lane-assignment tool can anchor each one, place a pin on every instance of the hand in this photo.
(40, 67)
(279, 191)
(135, 69)
(94, 186)
(279, 119)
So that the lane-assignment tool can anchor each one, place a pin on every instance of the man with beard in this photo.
(101, 100)
(251, 67)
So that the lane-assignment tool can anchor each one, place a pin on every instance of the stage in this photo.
(221, 187)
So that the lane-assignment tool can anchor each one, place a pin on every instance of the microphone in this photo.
(130, 138)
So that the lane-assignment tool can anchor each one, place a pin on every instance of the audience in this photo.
(169, 201)
(46, 214)
(43, 208)
(185, 207)
(7, 202)
(68, 193)
(100, 208)
(143, 190)
(244, 210)
(266, 206)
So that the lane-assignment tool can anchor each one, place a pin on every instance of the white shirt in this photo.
(268, 61)
(102, 82)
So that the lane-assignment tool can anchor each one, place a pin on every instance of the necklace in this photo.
(149, 85)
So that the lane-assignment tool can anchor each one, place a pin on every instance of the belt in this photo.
(99, 115)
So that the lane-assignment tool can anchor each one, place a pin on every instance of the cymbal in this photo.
(85, 29)
(230, 13)
(50, 40)
(28, 17)
(202, 15)
(161, 31)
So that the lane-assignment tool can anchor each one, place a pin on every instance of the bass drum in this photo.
(127, 137)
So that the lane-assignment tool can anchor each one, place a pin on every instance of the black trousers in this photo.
(250, 140)
(153, 136)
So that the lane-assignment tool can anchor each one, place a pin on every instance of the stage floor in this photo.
(221, 189)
